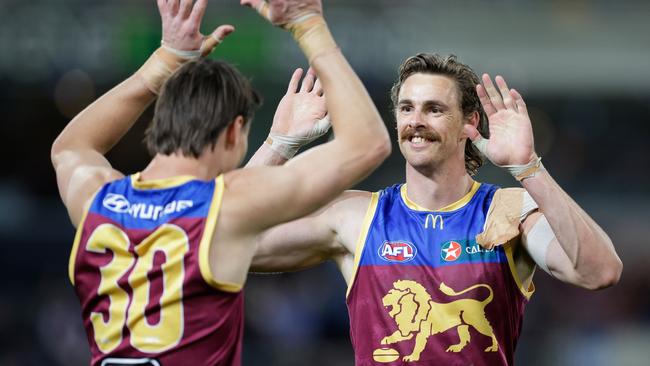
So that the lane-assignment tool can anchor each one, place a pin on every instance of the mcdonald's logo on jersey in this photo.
(397, 251)
(433, 220)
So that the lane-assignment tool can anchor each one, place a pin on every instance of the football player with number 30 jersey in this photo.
(161, 256)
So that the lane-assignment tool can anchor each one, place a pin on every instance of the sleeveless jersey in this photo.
(140, 268)
(425, 293)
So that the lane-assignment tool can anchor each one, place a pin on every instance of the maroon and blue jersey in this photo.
(140, 268)
(424, 292)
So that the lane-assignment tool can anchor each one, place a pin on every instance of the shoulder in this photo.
(350, 207)
(515, 200)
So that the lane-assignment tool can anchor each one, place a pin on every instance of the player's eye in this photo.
(405, 108)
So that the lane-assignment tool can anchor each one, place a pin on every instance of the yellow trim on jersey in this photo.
(159, 183)
(363, 235)
(451, 207)
(527, 292)
(77, 238)
(206, 240)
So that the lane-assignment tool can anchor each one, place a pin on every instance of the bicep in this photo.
(79, 174)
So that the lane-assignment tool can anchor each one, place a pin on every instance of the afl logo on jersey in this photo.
(451, 251)
(399, 251)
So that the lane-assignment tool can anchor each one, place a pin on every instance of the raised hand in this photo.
(511, 134)
(302, 109)
(181, 22)
(284, 12)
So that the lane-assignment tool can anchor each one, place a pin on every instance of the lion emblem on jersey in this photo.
(416, 314)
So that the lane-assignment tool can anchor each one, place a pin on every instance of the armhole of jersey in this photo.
(526, 292)
(77, 238)
(363, 235)
(206, 240)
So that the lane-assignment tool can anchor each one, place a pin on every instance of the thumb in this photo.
(478, 140)
(212, 41)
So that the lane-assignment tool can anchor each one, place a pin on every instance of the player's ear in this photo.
(473, 120)
(235, 132)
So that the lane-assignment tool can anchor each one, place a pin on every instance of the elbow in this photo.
(380, 148)
(55, 152)
(383, 148)
(607, 277)
(612, 275)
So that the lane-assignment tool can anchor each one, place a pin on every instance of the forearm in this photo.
(265, 156)
(587, 246)
(294, 246)
(103, 123)
(351, 109)
(348, 101)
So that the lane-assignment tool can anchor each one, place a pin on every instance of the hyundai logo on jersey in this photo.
(397, 251)
(119, 204)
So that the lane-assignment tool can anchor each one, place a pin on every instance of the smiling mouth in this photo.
(417, 140)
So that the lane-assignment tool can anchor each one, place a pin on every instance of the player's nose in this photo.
(416, 120)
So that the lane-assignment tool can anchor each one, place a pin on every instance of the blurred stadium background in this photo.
(582, 66)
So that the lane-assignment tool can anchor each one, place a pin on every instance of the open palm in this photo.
(511, 134)
(301, 108)
(181, 21)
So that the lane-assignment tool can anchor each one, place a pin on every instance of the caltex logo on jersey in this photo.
(400, 251)
(451, 251)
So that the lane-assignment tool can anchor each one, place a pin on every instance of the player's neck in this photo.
(439, 187)
(174, 165)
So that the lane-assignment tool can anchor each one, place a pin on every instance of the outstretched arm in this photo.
(331, 233)
(562, 237)
(78, 152)
(301, 117)
(281, 194)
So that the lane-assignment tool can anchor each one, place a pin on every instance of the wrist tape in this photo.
(521, 172)
(160, 66)
(309, 30)
(288, 146)
(165, 60)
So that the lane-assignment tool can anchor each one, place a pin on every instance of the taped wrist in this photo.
(288, 146)
(521, 172)
(160, 66)
(312, 35)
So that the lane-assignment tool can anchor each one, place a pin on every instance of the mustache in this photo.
(408, 132)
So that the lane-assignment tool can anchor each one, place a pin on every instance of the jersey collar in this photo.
(451, 207)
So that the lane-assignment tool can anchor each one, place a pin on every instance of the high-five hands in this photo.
(511, 143)
(283, 13)
(303, 19)
(181, 22)
(182, 41)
